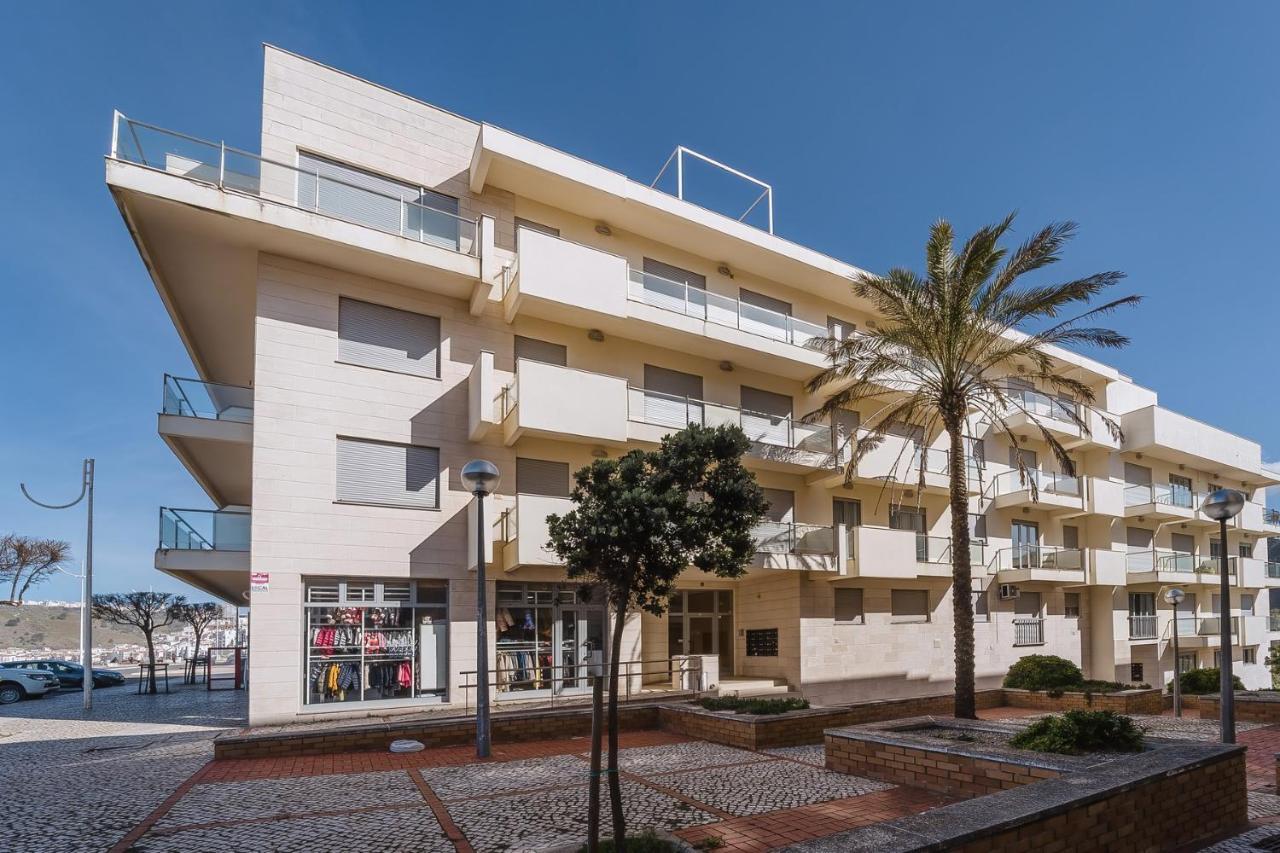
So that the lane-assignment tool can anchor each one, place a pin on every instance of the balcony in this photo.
(1160, 502)
(786, 545)
(1032, 563)
(1254, 519)
(209, 427)
(900, 459)
(1043, 490)
(1200, 631)
(208, 549)
(784, 442)
(1273, 621)
(1142, 626)
(1164, 434)
(1028, 632)
(1176, 567)
(1271, 520)
(550, 401)
(520, 532)
(883, 552)
(566, 282)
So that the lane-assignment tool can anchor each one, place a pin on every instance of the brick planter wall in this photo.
(508, 727)
(752, 731)
(1122, 702)
(1250, 708)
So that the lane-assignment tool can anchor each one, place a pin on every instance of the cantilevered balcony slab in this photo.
(209, 427)
(208, 549)
(1163, 434)
(1039, 563)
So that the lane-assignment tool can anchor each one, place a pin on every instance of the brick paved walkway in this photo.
(527, 796)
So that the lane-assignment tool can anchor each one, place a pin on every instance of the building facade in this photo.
(386, 290)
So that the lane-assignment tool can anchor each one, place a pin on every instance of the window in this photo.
(847, 512)
(840, 329)
(1244, 549)
(1217, 660)
(977, 527)
(385, 338)
(1070, 536)
(849, 606)
(542, 477)
(380, 472)
(671, 398)
(1135, 673)
(1186, 662)
(534, 226)
(981, 603)
(1071, 605)
(909, 605)
(1251, 655)
(1246, 604)
(673, 273)
(1180, 490)
(546, 352)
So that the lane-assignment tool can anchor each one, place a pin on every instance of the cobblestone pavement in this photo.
(76, 782)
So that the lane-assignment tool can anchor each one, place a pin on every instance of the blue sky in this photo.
(1151, 124)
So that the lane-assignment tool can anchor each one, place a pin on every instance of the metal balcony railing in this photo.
(1028, 632)
(234, 170)
(722, 310)
(676, 412)
(1046, 482)
(204, 529)
(1051, 557)
(194, 398)
(785, 537)
(1142, 627)
(1161, 494)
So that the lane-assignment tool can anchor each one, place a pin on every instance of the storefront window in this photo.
(545, 633)
(370, 641)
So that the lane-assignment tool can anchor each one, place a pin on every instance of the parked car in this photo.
(69, 674)
(18, 684)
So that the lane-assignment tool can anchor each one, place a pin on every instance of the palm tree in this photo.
(945, 347)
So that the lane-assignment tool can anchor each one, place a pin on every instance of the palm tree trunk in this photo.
(961, 571)
(615, 784)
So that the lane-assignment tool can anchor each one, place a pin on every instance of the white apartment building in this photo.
(386, 290)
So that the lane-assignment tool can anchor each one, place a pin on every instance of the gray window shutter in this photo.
(759, 300)
(534, 226)
(1137, 475)
(674, 273)
(849, 604)
(1137, 538)
(674, 398)
(909, 602)
(543, 351)
(781, 504)
(766, 416)
(1027, 604)
(1182, 543)
(542, 477)
(387, 338)
(379, 472)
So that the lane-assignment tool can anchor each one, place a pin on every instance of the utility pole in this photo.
(86, 581)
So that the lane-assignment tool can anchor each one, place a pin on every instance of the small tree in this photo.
(26, 561)
(199, 616)
(146, 611)
(642, 519)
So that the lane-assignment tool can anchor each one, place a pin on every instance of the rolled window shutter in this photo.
(541, 351)
(393, 474)
(388, 338)
(542, 477)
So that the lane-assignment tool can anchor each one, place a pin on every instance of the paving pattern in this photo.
(1263, 838)
(814, 754)
(753, 789)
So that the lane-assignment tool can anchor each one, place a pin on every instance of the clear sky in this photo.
(1154, 125)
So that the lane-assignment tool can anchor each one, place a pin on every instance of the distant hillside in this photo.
(35, 627)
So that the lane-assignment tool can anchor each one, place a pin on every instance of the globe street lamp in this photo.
(481, 477)
(1221, 505)
(1175, 596)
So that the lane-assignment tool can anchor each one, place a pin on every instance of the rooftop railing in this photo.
(1161, 494)
(234, 170)
(722, 310)
(677, 412)
(194, 398)
(1050, 557)
(204, 529)
(1046, 482)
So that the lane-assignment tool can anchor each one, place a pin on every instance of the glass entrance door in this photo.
(581, 632)
(700, 622)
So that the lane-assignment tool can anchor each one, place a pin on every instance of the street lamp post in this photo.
(1175, 596)
(1221, 505)
(86, 581)
(481, 478)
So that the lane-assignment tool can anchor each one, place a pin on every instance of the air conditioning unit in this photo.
(1009, 591)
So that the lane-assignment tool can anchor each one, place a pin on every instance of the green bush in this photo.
(760, 706)
(1197, 682)
(645, 842)
(1044, 672)
(1081, 731)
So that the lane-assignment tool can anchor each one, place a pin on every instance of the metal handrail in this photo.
(237, 404)
(251, 184)
(714, 308)
(628, 670)
(179, 532)
(1050, 557)
(799, 435)
(1142, 626)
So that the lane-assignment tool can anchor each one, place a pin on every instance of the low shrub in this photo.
(1197, 682)
(1076, 732)
(1044, 672)
(758, 706)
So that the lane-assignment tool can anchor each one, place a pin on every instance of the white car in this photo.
(16, 684)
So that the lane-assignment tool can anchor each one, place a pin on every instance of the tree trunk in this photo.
(615, 784)
(961, 571)
(151, 658)
(195, 657)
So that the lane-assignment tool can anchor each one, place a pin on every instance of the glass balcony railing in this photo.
(784, 537)
(937, 549)
(676, 412)
(1051, 557)
(1163, 560)
(204, 529)
(722, 310)
(1200, 626)
(1273, 622)
(1160, 494)
(1043, 405)
(1142, 626)
(231, 169)
(192, 398)
(1046, 482)
(1271, 517)
(1273, 569)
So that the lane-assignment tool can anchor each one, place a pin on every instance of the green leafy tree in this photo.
(640, 520)
(946, 344)
(146, 611)
(199, 616)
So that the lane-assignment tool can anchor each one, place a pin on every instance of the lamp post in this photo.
(86, 580)
(1175, 596)
(1221, 505)
(481, 477)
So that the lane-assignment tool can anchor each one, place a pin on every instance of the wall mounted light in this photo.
(603, 229)
(723, 269)
(595, 335)
(726, 366)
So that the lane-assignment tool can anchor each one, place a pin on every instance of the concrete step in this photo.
(748, 687)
